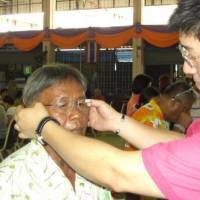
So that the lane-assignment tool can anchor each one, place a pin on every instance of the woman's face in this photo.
(65, 102)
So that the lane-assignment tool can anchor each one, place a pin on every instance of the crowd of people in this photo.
(10, 98)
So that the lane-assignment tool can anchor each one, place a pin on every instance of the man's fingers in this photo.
(94, 102)
(16, 126)
(16, 117)
(19, 108)
(22, 135)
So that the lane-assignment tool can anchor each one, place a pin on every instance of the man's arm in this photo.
(102, 163)
(97, 161)
(142, 136)
(102, 117)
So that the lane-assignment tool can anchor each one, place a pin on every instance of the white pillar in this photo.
(49, 6)
(138, 65)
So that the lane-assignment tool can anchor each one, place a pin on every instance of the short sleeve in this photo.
(175, 167)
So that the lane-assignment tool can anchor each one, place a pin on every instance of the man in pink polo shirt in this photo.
(168, 164)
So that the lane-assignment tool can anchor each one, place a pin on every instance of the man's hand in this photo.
(27, 119)
(102, 116)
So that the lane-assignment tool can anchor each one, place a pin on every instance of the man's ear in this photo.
(173, 102)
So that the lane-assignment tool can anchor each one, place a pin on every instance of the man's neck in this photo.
(162, 102)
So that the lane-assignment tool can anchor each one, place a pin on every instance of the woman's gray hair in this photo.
(47, 76)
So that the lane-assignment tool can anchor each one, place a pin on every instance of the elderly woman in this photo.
(36, 171)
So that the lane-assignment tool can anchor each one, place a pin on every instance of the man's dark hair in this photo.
(186, 18)
(179, 89)
(140, 82)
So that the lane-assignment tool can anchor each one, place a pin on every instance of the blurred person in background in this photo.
(97, 94)
(163, 81)
(167, 107)
(140, 82)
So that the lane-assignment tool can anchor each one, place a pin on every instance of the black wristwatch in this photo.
(40, 127)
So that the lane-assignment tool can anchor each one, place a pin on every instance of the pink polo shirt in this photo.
(175, 166)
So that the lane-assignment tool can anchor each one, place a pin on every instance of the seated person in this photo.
(167, 107)
(8, 102)
(163, 81)
(3, 92)
(146, 95)
(36, 171)
(140, 82)
(98, 94)
(3, 125)
(12, 109)
(185, 118)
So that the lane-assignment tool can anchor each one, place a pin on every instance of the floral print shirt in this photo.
(151, 115)
(31, 174)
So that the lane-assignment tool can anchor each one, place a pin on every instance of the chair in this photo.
(10, 142)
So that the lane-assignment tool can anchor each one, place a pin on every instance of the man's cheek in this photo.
(57, 117)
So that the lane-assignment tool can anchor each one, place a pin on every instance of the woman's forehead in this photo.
(64, 89)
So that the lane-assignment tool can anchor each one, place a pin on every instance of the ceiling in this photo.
(24, 6)
(4, 1)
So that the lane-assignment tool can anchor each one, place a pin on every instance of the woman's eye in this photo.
(64, 105)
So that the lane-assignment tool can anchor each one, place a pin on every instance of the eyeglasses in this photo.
(190, 59)
(190, 90)
(64, 105)
(178, 98)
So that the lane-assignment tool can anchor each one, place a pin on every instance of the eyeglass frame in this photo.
(186, 55)
(191, 89)
(176, 97)
(59, 106)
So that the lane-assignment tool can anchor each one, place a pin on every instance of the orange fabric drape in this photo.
(105, 40)
(68, 41)
(2, 41)
(115, 40)
(27, 44)
(159, 39)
